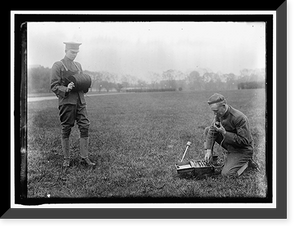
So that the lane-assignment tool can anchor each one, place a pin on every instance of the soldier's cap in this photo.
(72, 46)
(216, 98)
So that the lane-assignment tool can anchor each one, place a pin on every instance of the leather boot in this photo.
(84, 147)
(66, 151)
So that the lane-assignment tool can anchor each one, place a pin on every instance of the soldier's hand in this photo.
(220, 129)
(208, 156)
(70, 86)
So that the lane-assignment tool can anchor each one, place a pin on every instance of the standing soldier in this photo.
(72, 105)
(232, 131)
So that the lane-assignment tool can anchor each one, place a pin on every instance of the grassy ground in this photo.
(136, 139)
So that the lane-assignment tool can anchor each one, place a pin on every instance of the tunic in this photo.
(238, 135)
(57, 82)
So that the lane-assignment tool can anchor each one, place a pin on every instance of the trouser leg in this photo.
(84, 150)
(234, 162)
(67, 116)
(67, 119)
(83, 126)
(82, 120)
(66, 151)
(84, 147)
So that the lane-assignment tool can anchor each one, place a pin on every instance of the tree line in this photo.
(38, 80)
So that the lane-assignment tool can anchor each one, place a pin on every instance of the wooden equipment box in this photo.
(196, 168)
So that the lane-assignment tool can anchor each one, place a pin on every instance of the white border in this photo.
(151, 206)
(146, 12)
(12, 107)
(274, 173)
(160, 205)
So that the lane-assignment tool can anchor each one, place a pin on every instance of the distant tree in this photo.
(38, 80)
(169, 78)
(125, 84)
(153, 77)
(118, 87)
(181, 84)
(106, 85)
(141, 84)
(96, 79)
(209, 80)
(251, 85)
(195, 81)
(218, 83)
(250, 75)
(230, 81)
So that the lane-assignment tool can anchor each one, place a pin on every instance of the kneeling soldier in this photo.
(232, 131)
(72, 105)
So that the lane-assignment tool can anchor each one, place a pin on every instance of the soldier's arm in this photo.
(56, 82)
(242, 137)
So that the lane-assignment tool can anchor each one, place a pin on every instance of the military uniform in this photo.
(237, 140)
(71, 104)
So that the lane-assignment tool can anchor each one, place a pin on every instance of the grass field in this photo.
(135, 139)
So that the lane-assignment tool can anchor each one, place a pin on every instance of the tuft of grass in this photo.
(135, 140)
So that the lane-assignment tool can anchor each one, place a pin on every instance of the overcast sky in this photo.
(140, 47)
